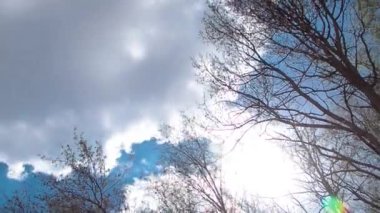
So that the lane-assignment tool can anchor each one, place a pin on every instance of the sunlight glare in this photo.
(256, 166)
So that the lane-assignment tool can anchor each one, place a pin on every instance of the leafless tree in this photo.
(174, 196)
(298, 62)
(341, 169)
(194, 183)
(196, 167)
(22, 202)
(193, 179)
(303, 64)
(88, 187)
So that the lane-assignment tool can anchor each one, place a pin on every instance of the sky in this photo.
(99, 66)
(142, 161)
(114, 70)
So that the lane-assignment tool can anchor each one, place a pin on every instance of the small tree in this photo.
(193, 182)
(89, 187)
(23, 202)
(193, 168)
(173, 195)
(335, 166)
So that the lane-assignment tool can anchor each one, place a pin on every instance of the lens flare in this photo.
(333, 204)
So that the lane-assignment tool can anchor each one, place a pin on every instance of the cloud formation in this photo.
(93, 64)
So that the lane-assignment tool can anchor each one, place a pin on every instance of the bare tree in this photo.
(368, 10)
(340, 169)
(193, 179)
(304, 64)
(196, 167)
(173, 195)
(89, 186)
(23, 202)
(298, 62)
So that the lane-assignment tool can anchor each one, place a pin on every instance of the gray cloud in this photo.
(75, 63)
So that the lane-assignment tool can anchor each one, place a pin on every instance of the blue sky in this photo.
(103, 67)
(143, 160)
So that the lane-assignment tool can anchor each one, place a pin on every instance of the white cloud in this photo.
(136, 41)
(115, 70)
(136, 50)
(16, 169)
(139, 197)
(141, 130)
